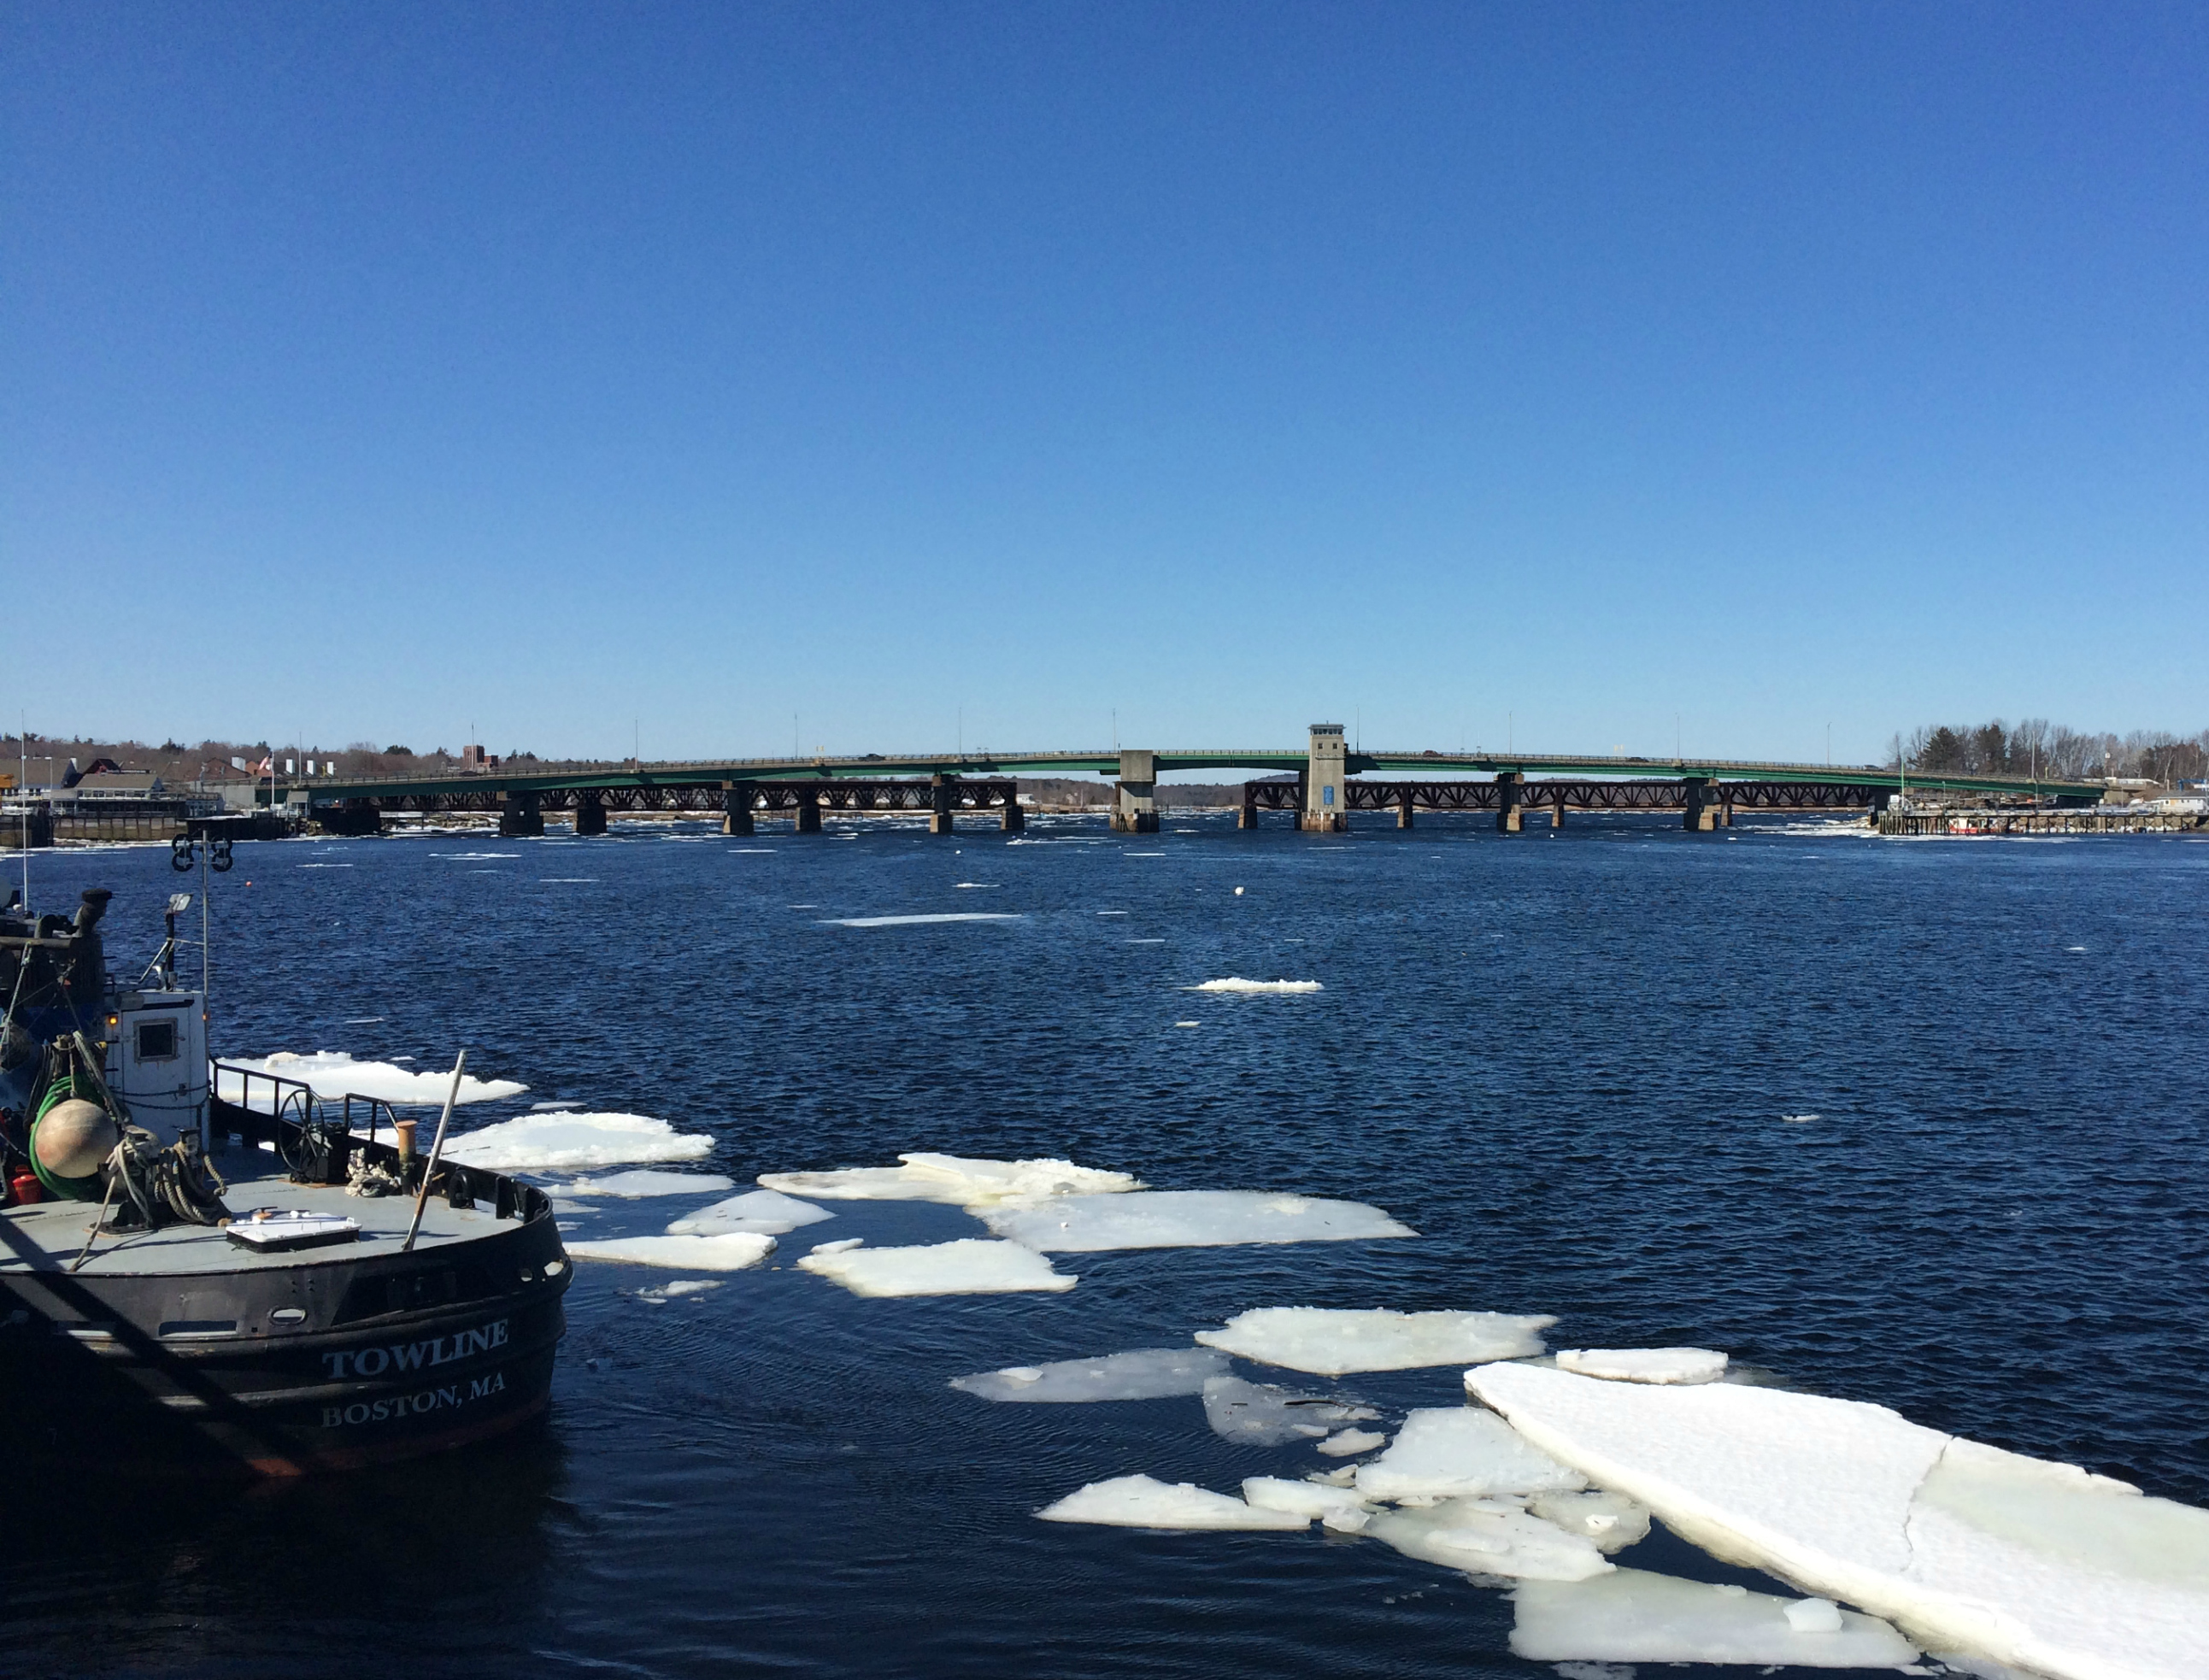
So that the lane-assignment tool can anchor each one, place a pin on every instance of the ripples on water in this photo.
(1566, 1060)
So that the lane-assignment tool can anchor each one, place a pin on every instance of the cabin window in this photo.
(157, 1041)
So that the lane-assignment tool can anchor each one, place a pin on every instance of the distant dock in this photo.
(1951, 823)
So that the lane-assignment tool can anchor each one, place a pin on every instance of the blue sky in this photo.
(875, 376)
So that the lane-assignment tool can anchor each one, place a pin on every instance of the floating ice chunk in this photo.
(676, 1288)
(1345, 1443)
(1488, 1536)
(1644, 1364)
(568, 1141)
(1338, 1508)
(1443, 1451)
(1258, 1414)
(1632, 1616)
(1332, 1342)
(1138, 1502)
(918, 921)
(2031, 1565)
(769, 1212)
(1611, 1521)
(1237, 983)
(1186, 1218)
(1146, 1373)
(958, 1180)
(333, 1072)
(732, 1252)
(646, 1182)
(970, 1266)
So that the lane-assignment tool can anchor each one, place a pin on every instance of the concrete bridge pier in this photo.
(737, 798)
(1325, 807)
(1510, 786)
(1403, 806)
(1880, 801)
(1557, 807)
(590, 815)
(942, 804)
(1135, 796)
(1016, 820)
(1247, 816)
(520, 815)
(808, 810)
(1698, 805)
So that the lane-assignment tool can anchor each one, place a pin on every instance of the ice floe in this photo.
(1261, 1414)
(969, 1266)
(733, 1251)
(1462, 1450)
(2036, 1565)
(1186, 1218)
(675, 1289)
(1632, 1616)
(1331, 1341)
(566, 1141)
(1611, 1521)
(1490, 1537)
(1338, 1508)
(333, 1072)
(768, 1212)
(1643, 1364)
(1348, 1443)
(958, 1180)
(1138, 1502)
(646, 1181)
(1149, 1373)
(919, 921)
(1237, 983)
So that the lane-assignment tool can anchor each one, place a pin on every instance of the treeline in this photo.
(177, 761)
(2035, 747)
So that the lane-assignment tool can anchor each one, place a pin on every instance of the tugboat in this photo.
(192, 1283)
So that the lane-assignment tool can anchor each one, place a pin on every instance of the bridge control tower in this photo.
(1327, 802)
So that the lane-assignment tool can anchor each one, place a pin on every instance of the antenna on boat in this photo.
(437, 1148)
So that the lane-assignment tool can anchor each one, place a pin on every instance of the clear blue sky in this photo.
(375, 369)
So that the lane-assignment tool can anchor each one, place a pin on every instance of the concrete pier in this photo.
(1557, 807)
(1404, 807)
(1325, 805)
(1247, 816)
(738, 798)
(1698, 808)
(590, 815)
(1016, 820)
(520, 815)
(944, 803)
(1510, 786)
(1135, 796)
(808, 810)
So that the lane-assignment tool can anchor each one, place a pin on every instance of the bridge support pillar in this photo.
(1135, 796)
(1016, 820)
(520, 817)
(590, 815)
(1325, 805)
(1881, 800)
(808, 810)
(942, 804)
(1725, 808)
(1510, 788)
(1403, 806)
(1247, 816)
(1699, 809)
(1557, 807)
(737, 798)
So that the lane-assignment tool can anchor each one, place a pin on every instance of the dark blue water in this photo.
(1563, 1060)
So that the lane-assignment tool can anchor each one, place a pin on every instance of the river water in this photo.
(1565, 1059)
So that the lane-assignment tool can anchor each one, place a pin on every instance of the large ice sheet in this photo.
(333, 1072)
(2039, 1566)
(1632, 1616)
(1338, 1508)
(1237, 983)
(1461, 1449)
(960, 1181)
(769, 1212)
(1138, 1502)
(1186, 1218)
(735, 1252)
(1149, 1373)
(1262, 1414)
(567, 1141)
(970, 1266)
(1644, 1364)
(923, 921)
(646, 1181)
(1332, 1342)
(1488, 1536)
(1610, 1521)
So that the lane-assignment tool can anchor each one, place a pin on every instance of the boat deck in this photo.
(47, 1236)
